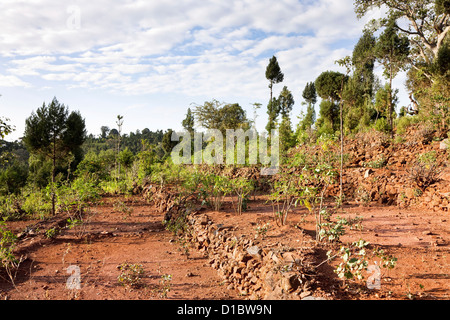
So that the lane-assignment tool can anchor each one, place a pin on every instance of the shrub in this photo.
(7, 244)
(130, 275)
(13, 178)
(214, 189)
(382, 125)
(425, 171)
(404, 123)
(242, 188)
(126, 157)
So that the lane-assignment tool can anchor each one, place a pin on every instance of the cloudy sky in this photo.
(150, 60)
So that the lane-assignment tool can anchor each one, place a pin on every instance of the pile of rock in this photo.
(256, 272)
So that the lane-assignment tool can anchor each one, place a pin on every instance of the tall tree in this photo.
(216, 115)
(310, 95)
(188, 122)
(54, 133)
(286, 103)
(273, 74)
(363, 61)
(428, 22)
(392, 52)
(273, 111)
(329, 86)
(104, 130)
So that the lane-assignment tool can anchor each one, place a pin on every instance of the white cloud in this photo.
(12, 81)
(191, 48)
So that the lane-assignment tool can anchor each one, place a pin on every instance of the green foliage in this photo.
(126, 158)
(332, 231)
(52, 233)
(310, 94)
(167, 143)
(98, 165)
(273, 73)
(273, 111)
(353, 260)
(377, 163)
(5, 128)
(130, 275)
(188, 122)
(329, 85)
(404, 123)
(427, 158)
(382, 125)
(36, 203)
(213, 190)
(286, 193)
(54, 132)
(77, 193)
(165, 285)
(261, 230)
(221, 116)
(13, 178)
(241, 187)
(7, 245)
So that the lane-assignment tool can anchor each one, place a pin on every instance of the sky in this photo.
(151, 60)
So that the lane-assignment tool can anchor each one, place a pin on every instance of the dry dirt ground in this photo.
(121, 230)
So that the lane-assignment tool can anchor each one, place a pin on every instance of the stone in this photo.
(368, 173)
(445, 144)
(409, 193)
(254, 252)
(290, 282)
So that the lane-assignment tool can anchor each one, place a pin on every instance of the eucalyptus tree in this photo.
(392, 51)
(274, 75)
(286, 103)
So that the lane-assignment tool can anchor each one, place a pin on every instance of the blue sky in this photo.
(150, 60)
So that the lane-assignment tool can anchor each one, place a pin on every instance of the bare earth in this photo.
(419, 239)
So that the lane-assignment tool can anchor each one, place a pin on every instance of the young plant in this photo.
(214, 189)
(7, 245)
(287, 192)
(166, 285)
(130, 275)
(242, 187)
(353, 261)
(261, 231)
(8, 261)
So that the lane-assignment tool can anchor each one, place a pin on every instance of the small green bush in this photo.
(382, 125)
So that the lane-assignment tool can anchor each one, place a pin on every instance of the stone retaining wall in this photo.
(256, 272)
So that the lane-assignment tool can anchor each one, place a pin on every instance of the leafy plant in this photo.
(242, 188)
(120, 206)
(332, 231)
(7, 245)
(130, 275)
(425, 170)
(376, 164)
(353, 260)
(261, 230)
(166, 285)
(52, 233)
(8, 260)
(214, 189)
(388, 261)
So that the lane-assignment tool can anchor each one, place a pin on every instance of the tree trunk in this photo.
(391, 122)
(53, 177)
